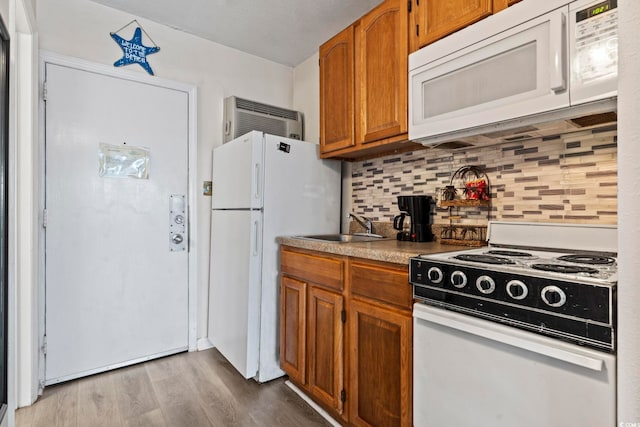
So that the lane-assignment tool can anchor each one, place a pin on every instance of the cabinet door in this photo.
(380, 354)
(293, 309)
(325, 347)
(382, 48)
(499, 5)
(336, 92)
(437, 19)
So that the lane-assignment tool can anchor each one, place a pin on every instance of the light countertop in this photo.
(388, 250)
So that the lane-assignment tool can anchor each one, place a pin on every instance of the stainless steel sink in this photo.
(344, 238)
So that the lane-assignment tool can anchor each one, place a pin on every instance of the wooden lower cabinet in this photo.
(293, 333)
(312, 315)
(380, 381)
(348, 343)
(325, 344)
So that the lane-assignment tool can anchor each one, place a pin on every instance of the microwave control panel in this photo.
(596, 41)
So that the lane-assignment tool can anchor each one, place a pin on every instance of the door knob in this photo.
(177, 223)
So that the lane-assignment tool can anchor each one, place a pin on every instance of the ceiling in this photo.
(283, 31)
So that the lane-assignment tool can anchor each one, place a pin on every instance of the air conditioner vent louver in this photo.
(245, 104)
(242, 116)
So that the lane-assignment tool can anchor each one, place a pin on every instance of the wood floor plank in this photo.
(178, 404)
(98, 402)
(279, 406)
(167, 367)
(198, 389)
(134, 391)
(150, 419)
(24, 416)
(219, 403)
(57, 407)
(268, 404)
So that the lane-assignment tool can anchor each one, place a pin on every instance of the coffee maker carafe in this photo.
(418, 208)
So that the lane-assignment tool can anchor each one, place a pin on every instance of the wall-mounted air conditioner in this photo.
(242, 116)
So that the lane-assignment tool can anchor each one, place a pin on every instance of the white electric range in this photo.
(520, 332)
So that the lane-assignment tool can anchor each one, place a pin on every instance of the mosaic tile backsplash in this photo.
(569, 178)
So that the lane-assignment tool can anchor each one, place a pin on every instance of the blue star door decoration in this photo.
(134, 52)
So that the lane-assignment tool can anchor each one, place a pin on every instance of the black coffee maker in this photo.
(418, 208)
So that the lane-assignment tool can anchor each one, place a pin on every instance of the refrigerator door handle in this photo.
(255, 238)
(257, 178)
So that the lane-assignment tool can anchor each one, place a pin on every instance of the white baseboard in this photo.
(203, 344)
(313, 404)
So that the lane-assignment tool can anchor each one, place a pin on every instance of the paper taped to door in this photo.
(123, 161)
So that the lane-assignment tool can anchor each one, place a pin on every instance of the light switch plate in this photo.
(206, 188)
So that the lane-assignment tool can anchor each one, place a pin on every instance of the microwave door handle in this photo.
(558, 54)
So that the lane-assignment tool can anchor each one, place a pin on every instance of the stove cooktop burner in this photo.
(588, 259)
(567, 269)
(485, 259)
(509, 253)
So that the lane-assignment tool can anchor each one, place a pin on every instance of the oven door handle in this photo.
(506, 335)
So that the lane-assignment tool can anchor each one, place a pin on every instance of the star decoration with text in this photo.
(134, 52)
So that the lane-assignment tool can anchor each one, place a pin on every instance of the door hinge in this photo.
(44, 91)
(45, 218)
(343, 396)
(409, 5)
(343, 316)
(43, 347)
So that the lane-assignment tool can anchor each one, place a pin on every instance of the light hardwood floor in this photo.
(189, 389)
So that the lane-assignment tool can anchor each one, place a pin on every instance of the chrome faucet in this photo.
(363, 221)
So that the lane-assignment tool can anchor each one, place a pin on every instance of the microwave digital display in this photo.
(596, 10)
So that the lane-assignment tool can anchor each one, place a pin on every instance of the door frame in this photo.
(191, 91)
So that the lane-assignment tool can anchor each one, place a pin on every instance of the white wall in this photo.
(21, 23)
(306, 96)
(628, 218)
(4, 12)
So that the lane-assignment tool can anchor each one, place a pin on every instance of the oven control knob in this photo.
(485, 284)
(435, 275)
(517, 289)
(458, 279)
(553, 296)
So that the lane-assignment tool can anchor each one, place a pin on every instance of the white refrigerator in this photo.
(264, 186)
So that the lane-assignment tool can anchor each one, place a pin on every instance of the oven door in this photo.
(469, 371)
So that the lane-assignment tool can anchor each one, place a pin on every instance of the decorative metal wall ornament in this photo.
(134, 52)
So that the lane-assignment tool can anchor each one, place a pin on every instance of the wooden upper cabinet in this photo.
(432, 20)
(336, 92)
(379, 91)
(382, 49)
(441, 18)
(499, 5)
(436, 19)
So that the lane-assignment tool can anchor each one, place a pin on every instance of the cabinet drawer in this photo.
(321, 270)
(381, 283)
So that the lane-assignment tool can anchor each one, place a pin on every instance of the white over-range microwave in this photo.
(524, 71)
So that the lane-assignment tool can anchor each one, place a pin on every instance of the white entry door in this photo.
(116, 283)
